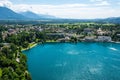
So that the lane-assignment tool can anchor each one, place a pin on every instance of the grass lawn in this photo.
(31, 45)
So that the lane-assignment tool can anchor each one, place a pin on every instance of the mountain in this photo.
(33, 15)
(6, 13)
(30, 15)
(47, 16)
(113, 20)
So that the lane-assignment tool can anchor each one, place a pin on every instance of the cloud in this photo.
(45, 8)
(100, 2)
(79, 11)
(103, 3)
(5, 3)
(69, 10)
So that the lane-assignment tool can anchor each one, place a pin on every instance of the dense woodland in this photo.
(10, 69)
(13, 62)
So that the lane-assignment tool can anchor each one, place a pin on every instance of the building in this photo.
(100, 32)
(118, 35)
(104, 39)
(89, 38)
(88, 30)
(56, 35)
(11, 31)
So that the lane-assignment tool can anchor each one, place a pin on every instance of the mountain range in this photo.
(8, 14)
(32, 15)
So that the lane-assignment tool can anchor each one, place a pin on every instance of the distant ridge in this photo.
(33, 15)
(113, 20)
(6, 13)
(30, 15)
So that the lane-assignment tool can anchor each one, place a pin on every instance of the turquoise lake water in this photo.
(70, 61)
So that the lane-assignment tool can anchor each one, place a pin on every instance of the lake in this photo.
(70, 61)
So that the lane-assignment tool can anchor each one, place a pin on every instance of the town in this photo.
(89, 32)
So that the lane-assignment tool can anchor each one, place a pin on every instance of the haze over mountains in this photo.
(8, 14)
(32, 15)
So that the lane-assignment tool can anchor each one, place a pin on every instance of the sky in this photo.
(75, 9)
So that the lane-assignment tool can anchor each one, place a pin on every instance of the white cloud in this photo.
(42, 8)
(5, 3)
(79, 11)
(103, 3)
(69, 10)
(100, 2)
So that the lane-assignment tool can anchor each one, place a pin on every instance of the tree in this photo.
(25, 44)
(6, 50)
(1, 38)
(0, 72)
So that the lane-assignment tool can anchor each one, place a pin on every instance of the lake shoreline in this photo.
(24, 49)
(35, 44)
